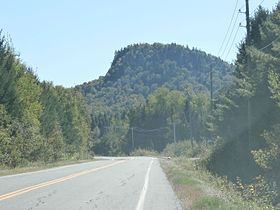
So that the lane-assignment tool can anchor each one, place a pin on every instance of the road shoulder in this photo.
(192, 189)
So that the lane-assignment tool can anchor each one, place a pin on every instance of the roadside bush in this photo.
(186, 148)
(260, 191)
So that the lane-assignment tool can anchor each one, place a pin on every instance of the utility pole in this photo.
(211, 88)
(191, 127)
(132, 138)
(248, 25)
(174, 132)
(248, 40)
(211, 97)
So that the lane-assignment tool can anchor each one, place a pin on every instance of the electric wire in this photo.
(148, 134)
(138, 129)
(233, 14)
(242, 7)
(237, 30)
(150, 130)
(231, 33)
(268, 45)
(232, 43)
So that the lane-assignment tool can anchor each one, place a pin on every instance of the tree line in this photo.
(150, 125)
(39, 121)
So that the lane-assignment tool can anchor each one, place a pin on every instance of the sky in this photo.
(70, 42)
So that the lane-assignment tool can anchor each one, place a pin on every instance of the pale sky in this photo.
(73, 41)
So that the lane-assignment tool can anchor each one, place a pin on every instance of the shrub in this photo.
(186, 148)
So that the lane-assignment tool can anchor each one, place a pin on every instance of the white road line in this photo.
(140, 205)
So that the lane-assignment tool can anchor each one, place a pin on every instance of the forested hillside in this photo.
(151, 87)
(139, 69)
(38, 121)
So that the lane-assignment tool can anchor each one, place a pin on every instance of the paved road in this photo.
(117, 183)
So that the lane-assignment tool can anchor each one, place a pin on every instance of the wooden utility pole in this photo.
(248, 27)
(211, 88)
(174, 132)
(132, 138)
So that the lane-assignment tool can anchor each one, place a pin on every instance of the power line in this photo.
(247, 26)
(137, 128)
(228, 27)
(242, 7)
(261, 2)
(151, 130)
(148, 134)
(257, 7)
(263, 48)
(231, 33)
(232, 43)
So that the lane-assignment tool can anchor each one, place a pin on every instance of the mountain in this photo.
(138, 70)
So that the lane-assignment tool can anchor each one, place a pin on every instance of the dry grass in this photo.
(195, 192)
(37, 166)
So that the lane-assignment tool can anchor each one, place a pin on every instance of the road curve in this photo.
(116, 183)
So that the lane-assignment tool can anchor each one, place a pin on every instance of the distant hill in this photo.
(139, 69)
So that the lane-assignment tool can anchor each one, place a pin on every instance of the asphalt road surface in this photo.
(115, 183)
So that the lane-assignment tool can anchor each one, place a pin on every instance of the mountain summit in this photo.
(137, 70)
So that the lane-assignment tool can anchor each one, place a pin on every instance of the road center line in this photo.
(140, 204)
(55, 181)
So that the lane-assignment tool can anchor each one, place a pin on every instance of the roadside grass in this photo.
(197, 189)
(210, 202)
(37, 166)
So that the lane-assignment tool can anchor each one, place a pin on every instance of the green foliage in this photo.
(18, 144)
(163, 109)
(54, 147)
(260, 191)
(274, 85)
(114, 142)
(187, 148)
(185, 181)
(168, 104)
(38, 121)
(8, 76)
(109, 134)
(268, 157)
(210, 203)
